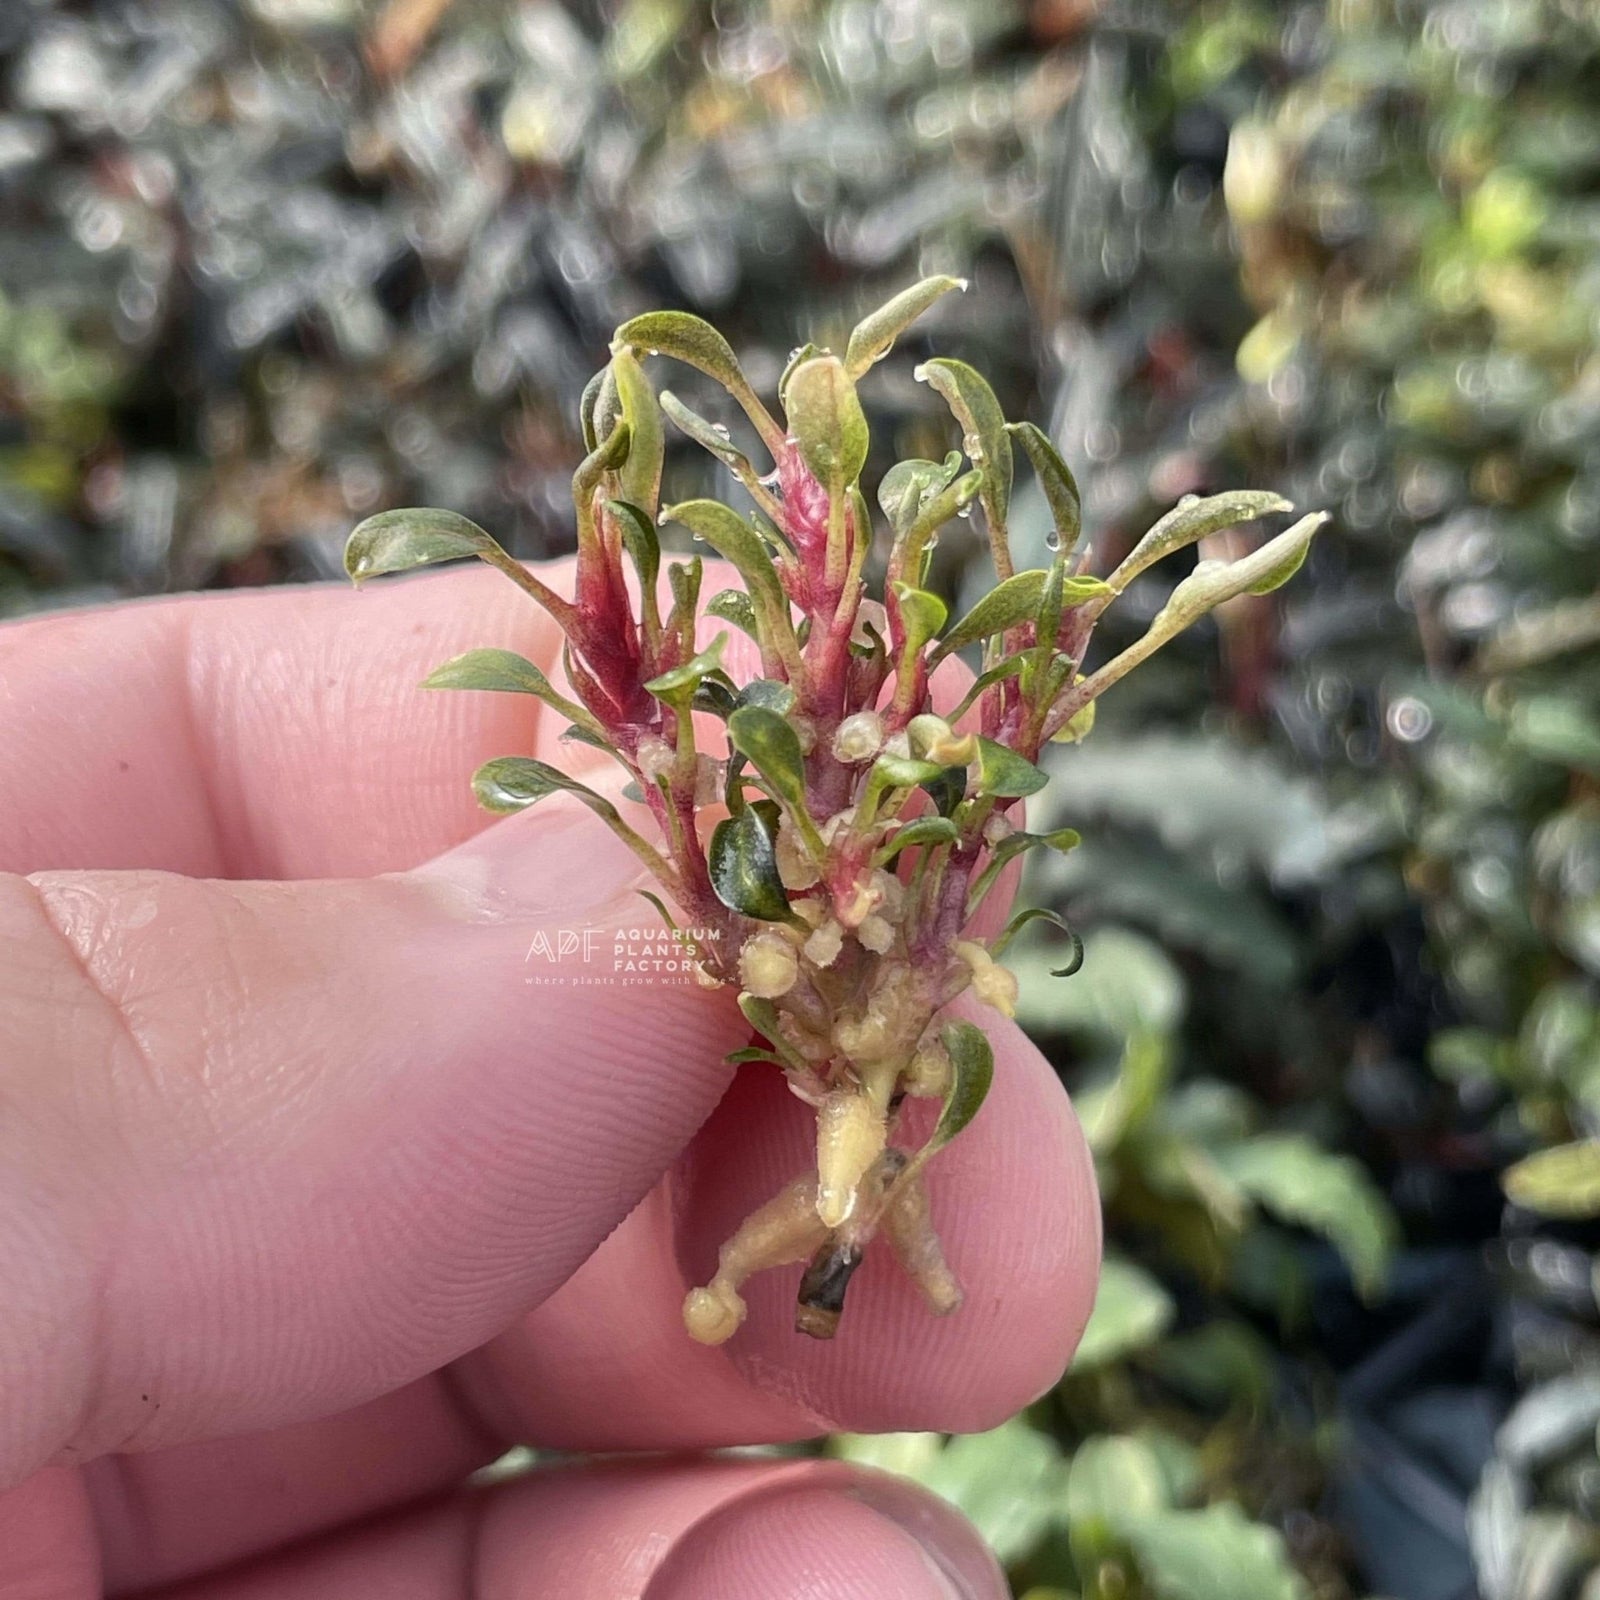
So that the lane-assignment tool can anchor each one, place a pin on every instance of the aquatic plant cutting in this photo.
(839, 816)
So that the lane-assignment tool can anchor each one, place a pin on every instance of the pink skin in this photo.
(312, 1201)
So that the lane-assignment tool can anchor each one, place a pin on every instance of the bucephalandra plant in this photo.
(831, 826)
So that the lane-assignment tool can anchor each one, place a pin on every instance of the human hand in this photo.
(290, 1144)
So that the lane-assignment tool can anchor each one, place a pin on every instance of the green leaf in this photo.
(739, 1058)
(772, 747)
(1005, 606)
(1131, 1312)
(910, 486)
(512, 783)
(1056, 920)
(1062, 839)
(921, 614)
(606, 457)
(1214, 1554)
(1055, 478)
(709, 435)
(735, 540)
(491, 669)
(1563, 1181)
(797, 357)
(972, 1071)
(1301, 1183)
(1260, 572)
(895, 772)
(873, 337)
(762, 1015)
(826, 421)
(744, 864)
(1113, 1477)
(677, 685)
(640, 541)
(947, 789)
(685, 338)
(1007, 1482)
(983, 424)
(924, 831)
(733, 605)
(768, 692)
(1192, 519)
(640, 473)
(397, 541)
(685, 578)
(1005, 775)
(587, 404)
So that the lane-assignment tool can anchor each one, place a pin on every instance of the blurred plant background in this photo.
(269, 265)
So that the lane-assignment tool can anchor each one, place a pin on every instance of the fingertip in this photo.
(844, 1540)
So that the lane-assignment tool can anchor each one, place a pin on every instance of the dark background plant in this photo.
(1343, 870)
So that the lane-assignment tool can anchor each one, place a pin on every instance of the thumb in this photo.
(271, 1149)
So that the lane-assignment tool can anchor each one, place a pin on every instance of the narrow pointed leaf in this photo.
(924, 831)
(797, 358)
(398, 541)
(1193, 519)
(743, 861)
(734, 539)
(771, 746)
(1063, 839)
(606, 457)
(762, 1015)
(1260, 572)
(640, 540)
(1056, 479)
(1041, 914)
(983, 426)
(708, 435)
(1005, 606)
(874, 335)
(972, 1071)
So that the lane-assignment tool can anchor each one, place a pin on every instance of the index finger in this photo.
(270, 734)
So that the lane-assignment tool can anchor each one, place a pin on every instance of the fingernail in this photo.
(555, 859)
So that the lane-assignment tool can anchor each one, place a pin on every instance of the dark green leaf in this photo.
(972, 1071)
(1006, 775)
(762, 1015)
(947, 790)
(397, 541)
(983, 424)
(1055, 478)
(1056, 920)
(639, 539)
(771, 746)
(744, 864)
(924, 831)
(767, 692)
(1005, 606)
(716, 697)
(874, 335)
(1016, 844)
(586, 407)
(511, 783)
